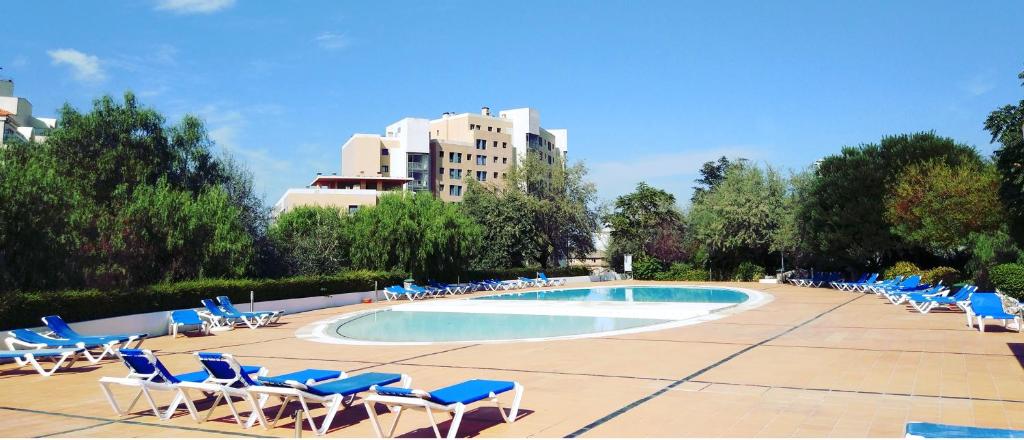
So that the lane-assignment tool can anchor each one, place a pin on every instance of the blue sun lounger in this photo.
(265, 316)
(394, 292)
(147, 373)
(988, 305)
(63, 330)
(550, 281)
(330, 388)
(30, 339)
(187, 318)
(935, 430)
(31, 358)
(452, 399)
(223, 318)
(925, 304)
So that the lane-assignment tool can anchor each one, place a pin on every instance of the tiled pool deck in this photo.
(812, 363)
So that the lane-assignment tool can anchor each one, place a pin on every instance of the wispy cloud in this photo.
(19, 61)
(673, 172)
(193, 6)
(332, 41)
(84, 67)
(978, 85)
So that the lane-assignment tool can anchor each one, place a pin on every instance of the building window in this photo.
(383, 151)
(352, 209)
(495, 160)
(504, 160)
(495, 144)
(440, 170)
(549, 160)
(384, 169)
(455, 157)
(440, 187)
(470, 126)
(481, 176)
(495, 174)
(454, 190)
(502, 175)
(455, 173)
(489, 128)
(481, 160)
(440, 154)
(499, 129)
(481, 144)
(504, 145)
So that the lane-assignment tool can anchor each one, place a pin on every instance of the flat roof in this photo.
(353, 179)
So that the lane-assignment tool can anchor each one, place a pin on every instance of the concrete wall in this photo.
(360, 155)
(339, 198)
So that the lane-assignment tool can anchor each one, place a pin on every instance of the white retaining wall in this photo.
(155, 323)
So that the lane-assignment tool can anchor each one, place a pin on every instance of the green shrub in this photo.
(947, 275)
(1009, 279)
(682, 272)
(901, 269)
(748, 271)
(646, 268)
(23, 309)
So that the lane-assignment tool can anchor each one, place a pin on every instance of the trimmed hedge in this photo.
(1008, 279)
(646, 268)
(23, 309)
(683, 272)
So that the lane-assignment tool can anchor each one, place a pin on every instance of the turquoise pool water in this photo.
(635, 294)
(409, 326)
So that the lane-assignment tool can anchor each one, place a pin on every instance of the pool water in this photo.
(402, 326)
(633, 294)
(560, 313)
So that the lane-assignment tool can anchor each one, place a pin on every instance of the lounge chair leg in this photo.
(453, 431)
(110, 398)
(332, 409)
(433, 423)
(214, 406)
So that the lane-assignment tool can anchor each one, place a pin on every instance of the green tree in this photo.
(37, 229)
(1006, 124)
(843, 213)
(503, 212)
(711, 174)
(561, 200)
(646, 222)
(938, 207)
(740, 219)
(313, 240)
(415, 233)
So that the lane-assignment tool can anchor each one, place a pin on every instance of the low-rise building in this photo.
(348, 193)
(16, 118)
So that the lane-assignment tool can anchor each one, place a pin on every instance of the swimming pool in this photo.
(564, 313)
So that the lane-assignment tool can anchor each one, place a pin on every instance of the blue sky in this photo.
(648, 90)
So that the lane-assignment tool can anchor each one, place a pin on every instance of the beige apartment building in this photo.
(439, 156)
(16, 119)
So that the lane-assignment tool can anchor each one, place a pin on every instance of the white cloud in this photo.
(979, 85)
(673, 172)
(332, 41)
(84, 67)
(193, 6)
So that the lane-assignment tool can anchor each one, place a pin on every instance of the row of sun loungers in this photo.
(225, 379)
(61, 345)
(435, 289)
(924, 297)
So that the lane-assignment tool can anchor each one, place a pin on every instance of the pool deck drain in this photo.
(813, 362)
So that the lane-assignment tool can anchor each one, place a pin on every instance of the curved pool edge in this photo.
(316, 331)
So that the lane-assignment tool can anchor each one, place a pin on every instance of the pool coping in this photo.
(317, 331)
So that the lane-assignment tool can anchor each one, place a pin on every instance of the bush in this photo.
(646, 268)
(23, 309)
(947, 275)
(748, 271)
(529, 272)
(901, 269)
(1009, 279)
(682, 272)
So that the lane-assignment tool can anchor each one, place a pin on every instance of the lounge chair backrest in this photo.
(26, 335)
(187, 316)
(224, 369)
(61, 328)
(986, 304)
(400, 392)
(911, 281)
(143, 364)
(213, 308)
(871, 279)
(228, 306)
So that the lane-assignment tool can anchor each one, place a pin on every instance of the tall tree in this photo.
(646, 222)
(313, 240)
(504, 212)
(1006, 124)
(711, 174)
(844, 208)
